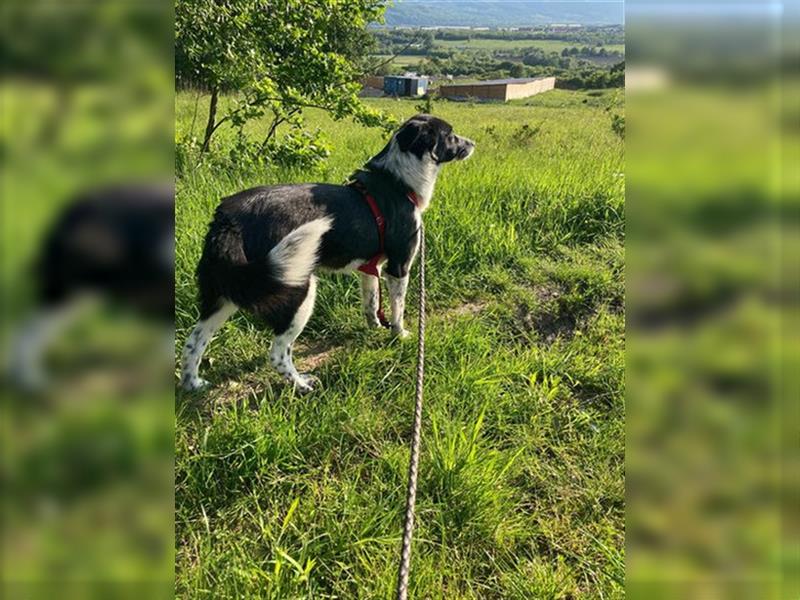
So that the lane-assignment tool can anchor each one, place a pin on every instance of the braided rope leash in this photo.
(413, 467)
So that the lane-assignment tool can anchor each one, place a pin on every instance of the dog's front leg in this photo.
(397, 295)
(369, 299)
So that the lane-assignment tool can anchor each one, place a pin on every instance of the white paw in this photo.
(195, 385)
(309, 382)
(400, 332)
(372, 321)
(305, 383)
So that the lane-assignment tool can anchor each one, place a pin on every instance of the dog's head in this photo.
(418, 149)
(427, 136)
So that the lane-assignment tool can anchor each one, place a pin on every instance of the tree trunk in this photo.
(212, 119)
(54, 120)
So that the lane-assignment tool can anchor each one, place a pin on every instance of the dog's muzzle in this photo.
(465, 149)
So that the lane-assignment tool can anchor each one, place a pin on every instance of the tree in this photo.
(82, 45)
(282, 56)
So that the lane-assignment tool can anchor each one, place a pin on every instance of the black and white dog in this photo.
(265, 243)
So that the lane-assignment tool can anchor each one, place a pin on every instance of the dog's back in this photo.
(243, 260)
(260, 251)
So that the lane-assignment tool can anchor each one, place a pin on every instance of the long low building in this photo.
(498, 89)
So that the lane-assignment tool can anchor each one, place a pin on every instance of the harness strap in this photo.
(371, 266)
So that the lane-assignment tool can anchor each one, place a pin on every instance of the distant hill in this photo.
(512, 13)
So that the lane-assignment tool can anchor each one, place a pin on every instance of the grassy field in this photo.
(406, 60)
(521, 489)
(490, 44)
(402, 60)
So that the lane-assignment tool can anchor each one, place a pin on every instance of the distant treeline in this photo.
(591, 51)
(583, 35)
(570, 67)
(592, 78)
(393, 39)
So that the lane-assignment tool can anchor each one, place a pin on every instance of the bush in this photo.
(618, 125)
(426, 106)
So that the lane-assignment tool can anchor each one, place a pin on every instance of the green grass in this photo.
(521, 489)
(402, 60)
(490, 44)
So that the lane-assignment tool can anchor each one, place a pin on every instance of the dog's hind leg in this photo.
(196, 345)
(281, 351)
(25, 367)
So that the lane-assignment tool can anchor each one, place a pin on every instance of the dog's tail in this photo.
(296, 255)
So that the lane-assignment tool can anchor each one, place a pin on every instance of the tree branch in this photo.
(274, 126)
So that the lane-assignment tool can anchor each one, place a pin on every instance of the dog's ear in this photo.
(416, 137)
(409, 134)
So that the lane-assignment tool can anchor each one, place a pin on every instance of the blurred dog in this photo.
(265, 244)
(113, 243)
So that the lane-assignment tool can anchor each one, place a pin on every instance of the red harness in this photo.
(371, 266)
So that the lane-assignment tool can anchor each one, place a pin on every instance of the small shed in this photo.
(498, 89)
(405, 85)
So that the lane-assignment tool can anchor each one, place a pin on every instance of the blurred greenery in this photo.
(87, 464)
(709, 436)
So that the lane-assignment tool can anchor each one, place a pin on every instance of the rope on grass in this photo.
(413, 466)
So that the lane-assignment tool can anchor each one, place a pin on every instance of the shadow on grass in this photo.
(253, 379)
